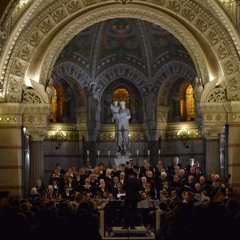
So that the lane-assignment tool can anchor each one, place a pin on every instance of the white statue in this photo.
(115, 116)
(121, 119)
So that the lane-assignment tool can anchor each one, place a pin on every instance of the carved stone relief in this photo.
(36, 133)
(11, 113)
(25, 52)
(31, 96)
(217, 95)
(35, 37)
(213, 131)
(213, 112)
(47, 21)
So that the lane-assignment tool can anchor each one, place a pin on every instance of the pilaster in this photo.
(154, 129)
(233, 142)
(90, 132)
(11, 148)
(35, 120)
(213, 124)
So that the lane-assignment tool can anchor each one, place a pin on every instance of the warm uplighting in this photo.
(184, 135)
(59, 137)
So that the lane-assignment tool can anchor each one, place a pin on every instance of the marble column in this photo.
(177, 116)
(91, 142)
(153, 146)
(233, 143)
(35, 120)
(155, 129)
(92, 148)
(133, 112)
(212, 156)
(11, 148)
(36, 162)
(81, 115)
(213, 125)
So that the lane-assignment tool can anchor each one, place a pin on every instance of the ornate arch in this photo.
(166, 77)
(121, 70)
(59, 21)
(75, 77)
(73, 70)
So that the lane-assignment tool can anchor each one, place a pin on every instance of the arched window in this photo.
(121, 93)
(187, 112)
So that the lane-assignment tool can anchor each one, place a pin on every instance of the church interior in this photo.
(175, 64)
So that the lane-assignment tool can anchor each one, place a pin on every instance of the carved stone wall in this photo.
(25, 48)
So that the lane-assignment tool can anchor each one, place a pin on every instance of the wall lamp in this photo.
(59, 137)
(184, 136)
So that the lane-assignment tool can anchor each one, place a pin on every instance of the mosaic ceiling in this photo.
(139, 43)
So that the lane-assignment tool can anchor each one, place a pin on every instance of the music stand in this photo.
(111, 211)
(112, 206)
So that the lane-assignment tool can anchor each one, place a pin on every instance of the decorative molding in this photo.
(107, 132)
(213, 131)
(31, 96)
(162, 114)
(58, 11)
(172, 129)
(11, 113)
(217, 95)
(213, 112)
(10, 119)
(36, 133)
(233, 111)
(36, 115)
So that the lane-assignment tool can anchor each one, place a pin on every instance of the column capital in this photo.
(81, 115)
(88, 130)
(35, 119)
(37, 134)
(162, 114)
(233, 111)
(213, 112)
(213, 131)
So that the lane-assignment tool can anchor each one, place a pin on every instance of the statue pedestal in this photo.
(122, 159)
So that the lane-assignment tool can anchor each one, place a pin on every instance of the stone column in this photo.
(153, 146)
(154, 129)
(81, 116)
(233, 143)
(214, 121)
(133, 113)
(177, 116)
(11, 148)
(35, 119)
(36, 161)
(91, 143)
(212, 156)
(89, 131)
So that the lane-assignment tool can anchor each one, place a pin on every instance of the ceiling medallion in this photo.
(122, 1)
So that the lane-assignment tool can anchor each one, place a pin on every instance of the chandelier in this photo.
(184, 136)
(59, 137)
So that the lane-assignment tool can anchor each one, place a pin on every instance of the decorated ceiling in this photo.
(138, 43)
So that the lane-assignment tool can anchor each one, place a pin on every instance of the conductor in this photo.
(132, 188)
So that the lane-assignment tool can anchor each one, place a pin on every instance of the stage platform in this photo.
(140, 233)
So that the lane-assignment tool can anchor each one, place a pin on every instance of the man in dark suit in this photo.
(132, 187)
